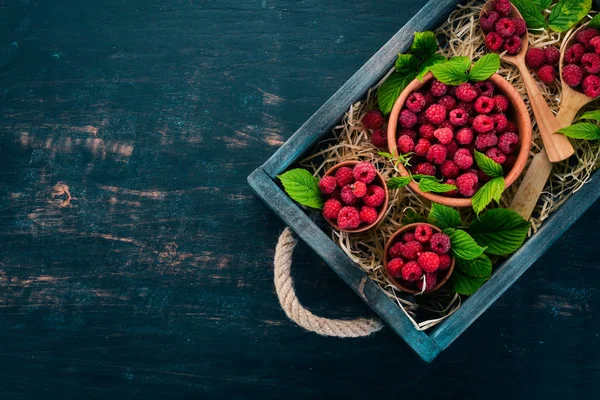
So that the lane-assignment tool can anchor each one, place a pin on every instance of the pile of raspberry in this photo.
(443, 125)
(544, 61)
(373, 121)
(353, 196)
(502, 32)
(581, 69)
(420, 253)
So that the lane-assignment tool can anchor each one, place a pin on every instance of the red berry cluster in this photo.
(420, 257)
(354, 199)
(544, 61)
(502, 32)
(373, 121)
(443, 125)
(581, 70)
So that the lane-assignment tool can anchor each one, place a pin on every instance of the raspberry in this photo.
(424, 169)
(344, 176)
(591, 86)
(501, 103)
(336, 195)
(466, 92)
(552, 55)
(547, 74)
(448, 102)
(437, 154)
(415, 102)
(520, 26)
(572, 75)
(408, 132)
(359, 189)
(459, 117)
(348, 196)
(496, 155)
(373, 119)
(484, 105)
(535, 58)
(507, 142)
(505, 27)
(440, 243)
(494, 41)
(488, 21)
(585, 36)
(485, 141)
(368, 215)
(379, 138)
(503, 7)
(348, 218)
(512, 44)
(411, 250)
(468, 107)
(595, 43)
(427, 284)
(438, 89)
(426, 131)
(423, 233)
(406, 144)
(483, 124)
(591, 63)
(444, 135)
(447, 124)
(500, 122)
(327, 185)
(485, 88)
(429, 99)
(422, 147)
(464, 136)
(510, 127)
(394, 267)
(411, 272)
(509, 163)
(463, 159)
(574, 53)
(451, 149)
(407, 119)
(451, 193)
(445, 261)
(430, 262)
(449, 169)
(331, 209)
(396, 250)
(436, 114)
(467, 185)
(374, 197)
(408, 237)
(364, 172)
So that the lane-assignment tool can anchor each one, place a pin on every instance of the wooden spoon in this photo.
(557, 146)
(540, 168)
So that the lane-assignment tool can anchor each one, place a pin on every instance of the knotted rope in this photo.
(296, 312)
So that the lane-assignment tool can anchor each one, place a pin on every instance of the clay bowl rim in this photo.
(384, 206)
(393, 238)
(523, 124)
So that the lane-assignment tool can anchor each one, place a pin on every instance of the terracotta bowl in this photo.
(381, 209)
(386, 258)
(519, 114)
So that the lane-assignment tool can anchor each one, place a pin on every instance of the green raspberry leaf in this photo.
(463, 245)
(582, 130)
(592, 115)
(485, 67)
(390, 90)
(595, 22)
(444, 217)
(532, 13)
(302, 187)
(542, 4)
(406, 63)
(432, 185)
(424, 45)
(427, 64)
(411, 216)
(452, 72)
(502, 230)
(481, 267)
(490, 167)
(490, 191)
(567, 13)
(465, 284)
(398, 182)
(386, 155)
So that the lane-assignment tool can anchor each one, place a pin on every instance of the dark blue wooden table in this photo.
(135, 260)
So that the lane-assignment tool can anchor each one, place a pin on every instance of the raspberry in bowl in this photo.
(488, 116)
(418, 258)
(356, 196)
(580, 62)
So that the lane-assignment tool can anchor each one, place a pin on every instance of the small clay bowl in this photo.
(520, 113)
(381, 209)
(386, 258)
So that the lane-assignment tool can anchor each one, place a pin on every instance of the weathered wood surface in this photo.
(134, 258)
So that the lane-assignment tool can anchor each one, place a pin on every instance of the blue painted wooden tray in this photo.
(263, 180)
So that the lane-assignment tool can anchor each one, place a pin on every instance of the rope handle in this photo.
(297, 313)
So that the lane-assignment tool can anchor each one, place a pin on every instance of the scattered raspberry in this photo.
(574, 53)
(368, 215)
(438, 89)
(424, 169)
(595, 43)
(449, 169)
(440, 243)
(423, 233)
(429, 262)
(422, 147)
(359, 189)
(408, 132)
(379, 138)
(437, 154)
(547, 74)
(374, 197)
(505, 27)
(436, 114)
(591, 86)
(572, 75)
(552, 55)
(488, 21)
(520, 26)
(415, 102)
(591, 63)
(411, 272)
(585, 36)
(327, 185)
(494, 41)
(483, 124)
(485, 141)
(507, 142)
(348, 196)
(407, 119)
(468, 107)
(444, 135)
(331, 209)
(535, 58)
(500, 122)
(503, 7)
(427, 284)
(406, 144)
(448, 102)
(396, 250)
(463, 159)
(445, 261)
(373, 119)
(451, 149)
(394, 267)
(459, 117)
(408, 237)
(348, 218)
(501, 103)
(451, 193)
(344, 176)
(512, 44)
(485, 88)
(467, 184)
(496, 155)
(464, 136)
(484, 105)
(426, 131)
(411, 250)
(466, 92)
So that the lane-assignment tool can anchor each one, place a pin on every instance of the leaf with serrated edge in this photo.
(452, 72)
(427, 64)
(302, 187)
(390, 90)
(490, 167)
(444, 217)
(485, 67)
(398, 182)
(492, 190)
(406, 63)
(542, 4)
(464, 284)
(595, 22)
(433, 186)
(481, 267)
(424, 44)
(567, 13)
(502, 230)
(582, 130)
(531, 14)
(591, 115)
(463, 245)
